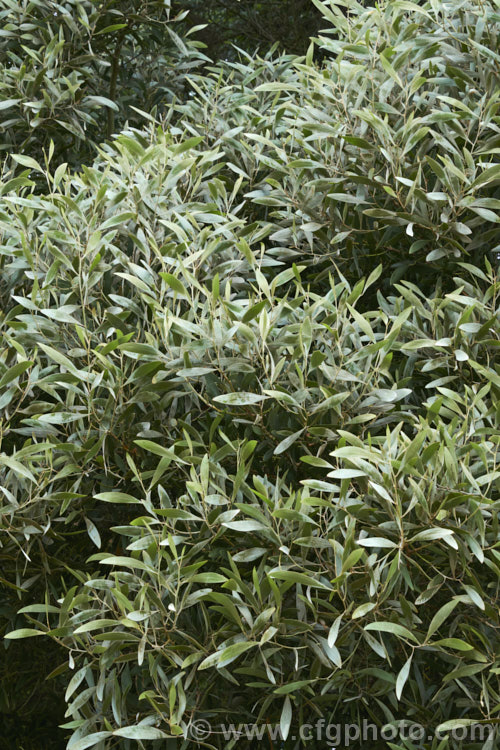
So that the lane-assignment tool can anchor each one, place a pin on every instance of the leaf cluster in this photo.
(249, 387)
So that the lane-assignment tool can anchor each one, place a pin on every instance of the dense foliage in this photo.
(249, 388)
(72, 73)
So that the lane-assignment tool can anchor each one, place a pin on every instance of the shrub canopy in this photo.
(250, 393)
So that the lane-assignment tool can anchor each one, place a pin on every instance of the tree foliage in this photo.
(249, 386)
(70, 71)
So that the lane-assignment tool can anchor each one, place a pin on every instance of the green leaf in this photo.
(14, 372)
(117, 497)
(287, 442)
(346, 198)
(101, 101)
(449, 726)
(23, 633)
(240, 399)
(8, 103)
(362, 322)
(91, 740)
(125, 562)
(475, 597)
(402, 677)
(292, 687)
(490, 174)
(376, 541)
(346, 474)
(254, 311)
(61, 315)
(27, 161)
(140, 733)
(16, 467)
(39, 608)
(331, 652)
(175, 284)
(430, 534)
(159, 450)
(352, 559)
(177, 514)
(363, 609)
(93, 532)
(87, 627)
(208, 578)
(319, 463)
(113, 27)
(440, 616)
(243, 526)
(248, 555)
(295, 577)
(117, 220)
(384, 59)
(194, 372)
(56, 356)
(281, 396)
(391, 627)
(286, 718)
(231, 653)
(334, 631)
(455, 643)
(59, 173)
(188, 144)
(227, 655)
